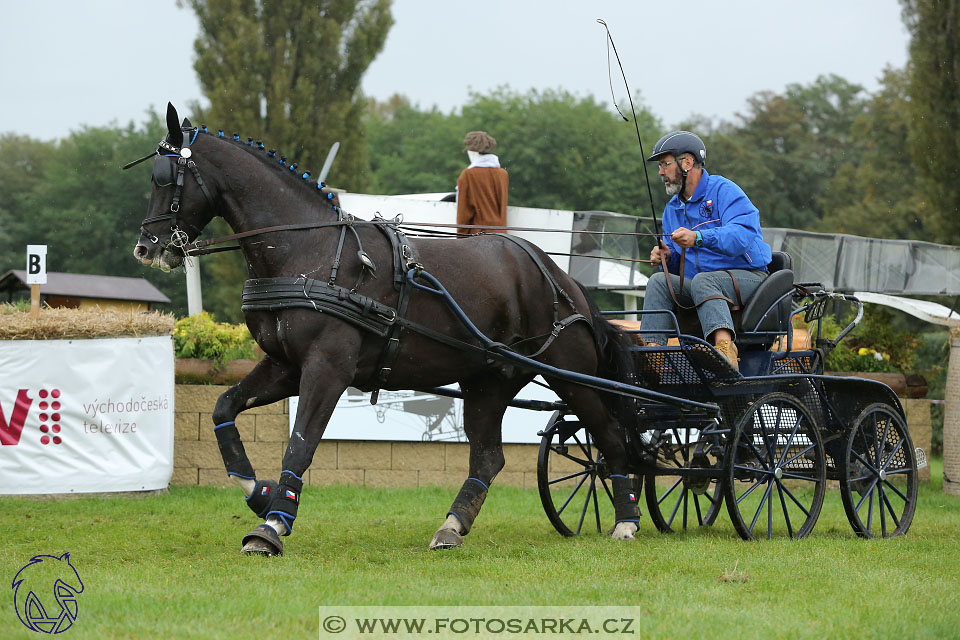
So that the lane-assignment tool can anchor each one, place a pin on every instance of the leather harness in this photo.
(275, 294)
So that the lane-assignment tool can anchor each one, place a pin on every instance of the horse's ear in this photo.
(186, 124)
(174, 134)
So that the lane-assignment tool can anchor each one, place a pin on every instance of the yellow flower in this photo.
(863, 351)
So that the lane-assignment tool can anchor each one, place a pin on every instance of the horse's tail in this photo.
(614, 363)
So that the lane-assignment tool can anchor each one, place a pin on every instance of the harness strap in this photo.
(547, 276)
(336, 259)
(203, 187)
(402, 258)
(553, 335)
(273, 294)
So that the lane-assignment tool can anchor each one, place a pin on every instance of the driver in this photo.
(712, 246)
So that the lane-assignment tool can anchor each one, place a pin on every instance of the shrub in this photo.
(874, 346)
(198, 336)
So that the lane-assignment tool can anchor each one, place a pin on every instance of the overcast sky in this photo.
(68, 63)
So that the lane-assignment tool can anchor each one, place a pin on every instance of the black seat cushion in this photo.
(779, 261)
(755, 316)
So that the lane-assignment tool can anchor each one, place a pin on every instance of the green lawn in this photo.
(169, 567)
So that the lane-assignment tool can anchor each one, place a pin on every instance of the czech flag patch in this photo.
(265, 491)
(291, 495)
(632, 496)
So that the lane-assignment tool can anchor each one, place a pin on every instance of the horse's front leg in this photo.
(271, 380)
(321, 385)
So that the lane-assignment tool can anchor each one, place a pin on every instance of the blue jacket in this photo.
(728, 223)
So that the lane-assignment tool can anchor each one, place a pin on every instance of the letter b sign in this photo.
(36, 264)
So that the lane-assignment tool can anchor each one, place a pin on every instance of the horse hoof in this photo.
(446, 539)
(624, 531)
(262, 541)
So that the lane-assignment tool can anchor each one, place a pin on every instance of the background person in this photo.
(482, 186)
(711, 237)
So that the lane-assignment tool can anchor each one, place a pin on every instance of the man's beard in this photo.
(673, 188)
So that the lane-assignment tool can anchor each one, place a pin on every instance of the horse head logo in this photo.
(47, 579)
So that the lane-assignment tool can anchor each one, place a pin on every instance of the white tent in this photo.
(928, 311)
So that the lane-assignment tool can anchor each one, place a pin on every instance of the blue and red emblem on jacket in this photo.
(706, 209)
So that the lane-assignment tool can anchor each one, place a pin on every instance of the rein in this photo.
(200, 246)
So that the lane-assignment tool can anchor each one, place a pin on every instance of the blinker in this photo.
(163, 171)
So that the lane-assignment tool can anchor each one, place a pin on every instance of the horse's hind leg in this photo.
(484, 402)
(269, 381)
(595, 415)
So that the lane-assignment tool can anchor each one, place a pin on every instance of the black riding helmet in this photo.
(677, 142)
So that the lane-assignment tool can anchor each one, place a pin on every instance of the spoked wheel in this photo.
(775, 470)
(879, 481)
(576, 493)
(676, 502)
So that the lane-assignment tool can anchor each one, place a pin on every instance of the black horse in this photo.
(380, 330)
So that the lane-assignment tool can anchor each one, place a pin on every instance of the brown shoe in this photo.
(729, 351)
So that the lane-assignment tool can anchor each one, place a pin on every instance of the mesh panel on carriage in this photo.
(696, 364)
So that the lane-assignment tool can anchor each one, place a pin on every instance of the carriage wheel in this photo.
(676, 502)
(879, 481)
(775, 470)
(574, 488)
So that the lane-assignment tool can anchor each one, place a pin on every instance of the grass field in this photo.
(169, 567)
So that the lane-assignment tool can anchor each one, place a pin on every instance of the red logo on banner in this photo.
(10, 431)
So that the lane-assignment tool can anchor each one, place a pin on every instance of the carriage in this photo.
(675, 420)
(780, 431)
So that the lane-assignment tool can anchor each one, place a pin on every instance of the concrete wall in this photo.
(951, 419)
(196, 458)
(921, 429)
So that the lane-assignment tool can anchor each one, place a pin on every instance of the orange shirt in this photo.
(482, 198)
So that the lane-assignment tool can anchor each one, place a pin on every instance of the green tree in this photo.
(868, 194)
(289, 73)
(413, 151)
(934, 89)
(787, 148)
(22, 164)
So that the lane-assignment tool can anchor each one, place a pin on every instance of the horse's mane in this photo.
(261, 153)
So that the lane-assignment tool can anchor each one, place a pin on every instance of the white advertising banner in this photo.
(82, 416)
(424, 417)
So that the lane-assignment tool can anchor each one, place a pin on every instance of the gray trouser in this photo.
(714, 314)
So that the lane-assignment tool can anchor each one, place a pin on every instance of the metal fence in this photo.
(840, 262)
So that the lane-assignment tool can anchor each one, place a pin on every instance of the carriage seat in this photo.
(753, 317)
(772, 293)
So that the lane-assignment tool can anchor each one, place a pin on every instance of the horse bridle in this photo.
(168, 157)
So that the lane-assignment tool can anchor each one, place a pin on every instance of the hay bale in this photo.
(626, 327)
(68, 324)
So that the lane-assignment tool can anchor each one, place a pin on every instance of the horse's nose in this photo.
(140, 252)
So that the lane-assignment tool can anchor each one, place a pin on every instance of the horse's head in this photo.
(180, 203)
